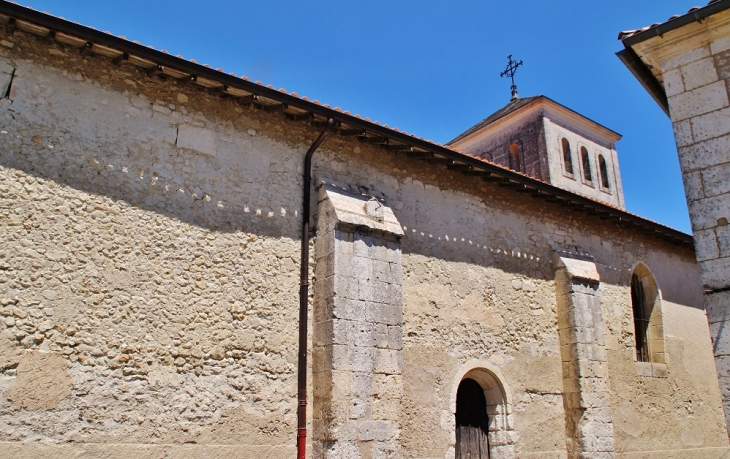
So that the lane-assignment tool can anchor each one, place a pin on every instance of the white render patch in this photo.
(198, 139)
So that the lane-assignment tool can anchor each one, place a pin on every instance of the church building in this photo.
(194, 264)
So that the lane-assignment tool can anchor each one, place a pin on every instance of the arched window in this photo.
(648, 323)
(515, 162)
(567, 158)
(603, 170)
(472, 425)
(587, 175)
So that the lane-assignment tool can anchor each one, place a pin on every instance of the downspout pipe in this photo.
(304, 296)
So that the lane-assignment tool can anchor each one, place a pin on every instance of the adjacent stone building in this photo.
(150, 218)
(685, 64)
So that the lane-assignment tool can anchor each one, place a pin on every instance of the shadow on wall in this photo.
(250, 183)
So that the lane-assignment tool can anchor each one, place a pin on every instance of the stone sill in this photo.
(651, 369)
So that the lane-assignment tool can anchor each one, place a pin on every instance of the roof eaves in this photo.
(632, 37)
(474, 165)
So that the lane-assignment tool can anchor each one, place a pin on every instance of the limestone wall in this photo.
(148, 280)
(693, 63)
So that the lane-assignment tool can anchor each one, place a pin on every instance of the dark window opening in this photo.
(514, 157)
(641, 319)
(587, 175)
(472, 424)
(567, 158)
(603, 170)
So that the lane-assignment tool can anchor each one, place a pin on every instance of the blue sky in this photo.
(428, 67)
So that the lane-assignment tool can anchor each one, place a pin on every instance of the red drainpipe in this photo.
(303, 297)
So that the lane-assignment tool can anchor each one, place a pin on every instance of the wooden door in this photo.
(471, 421)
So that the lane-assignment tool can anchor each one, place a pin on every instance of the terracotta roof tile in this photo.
(628, 33)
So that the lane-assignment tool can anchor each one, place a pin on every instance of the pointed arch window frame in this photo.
(648, 323)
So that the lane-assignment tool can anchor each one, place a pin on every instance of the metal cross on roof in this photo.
(510, 72)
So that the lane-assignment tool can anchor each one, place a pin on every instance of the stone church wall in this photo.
(694, 64)
(149, 280)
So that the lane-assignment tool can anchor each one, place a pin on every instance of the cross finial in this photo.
(510, 72)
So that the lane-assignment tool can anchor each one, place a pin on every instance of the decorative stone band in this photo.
(358, 316)
(586, 397)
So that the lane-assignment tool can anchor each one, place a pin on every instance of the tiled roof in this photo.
(628, 33)
(300, 108)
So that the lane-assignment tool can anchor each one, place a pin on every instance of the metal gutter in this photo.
(468, 164)
(695, 16)
(304, 296)
(642, 73)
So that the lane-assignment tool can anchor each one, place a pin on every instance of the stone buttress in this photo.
(358, 315)
(586, 396)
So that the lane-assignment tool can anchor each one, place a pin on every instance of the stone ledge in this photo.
(353, 208)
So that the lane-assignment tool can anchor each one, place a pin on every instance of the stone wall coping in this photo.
(578, 269)
(354, 208)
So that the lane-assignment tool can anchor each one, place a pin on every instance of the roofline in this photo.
(433, 153)
(637, 66)
(695, 16)
(647, 79)
(527, 106)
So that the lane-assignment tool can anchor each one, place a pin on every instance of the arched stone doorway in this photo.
(501, 436)
(472, 424)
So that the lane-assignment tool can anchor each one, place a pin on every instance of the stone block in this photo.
(714, 273)
(673, 83)
(325, 266)
(395, 337)
(697, 102)
(720, 335)
(722, 364)
(375, 430)
(346, 287)
(363, 245)
(384, 314)
(719, 44)
(583, 335)
(695, 74)
(660, 370)
(322, 333)
(388, 361)
(717, 307)
(705, 154)
(706, 246)
(357, 267)
(684, 58)
(349, 358)
(723, 239)
(693, 188)
(364, 334)
(706, 212)
(683, 133)
(711, 125)
(716, 180)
